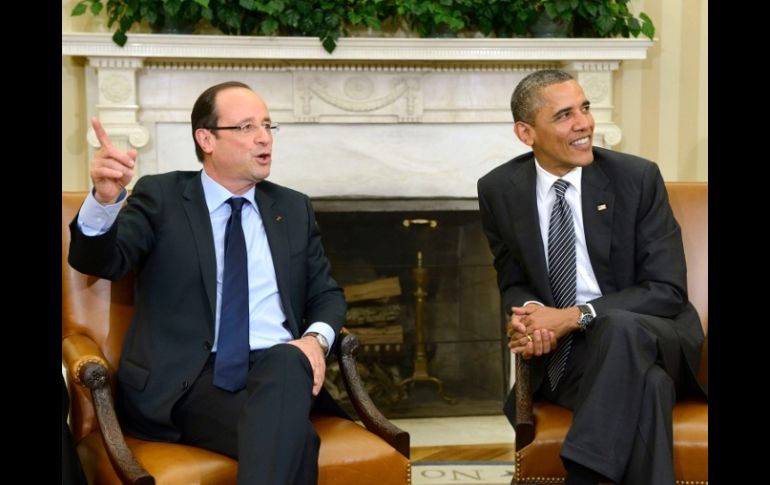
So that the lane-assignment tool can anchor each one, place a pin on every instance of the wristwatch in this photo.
(586, 317)
(321, 340)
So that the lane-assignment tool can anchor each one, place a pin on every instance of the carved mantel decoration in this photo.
(380, 117)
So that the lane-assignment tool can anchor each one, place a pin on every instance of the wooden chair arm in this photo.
(372, 418)
(525, 419)
(90, 369)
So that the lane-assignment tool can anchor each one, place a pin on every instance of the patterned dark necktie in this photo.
(562, 274)
(232, 361)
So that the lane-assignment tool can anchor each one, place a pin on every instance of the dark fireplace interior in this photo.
(370, 246)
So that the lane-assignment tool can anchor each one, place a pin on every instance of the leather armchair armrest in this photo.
(78, 350)
(89, 367)
(372, 418)
(525, 420)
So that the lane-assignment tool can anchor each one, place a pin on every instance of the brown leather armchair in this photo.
(542, 426)
(95, 316)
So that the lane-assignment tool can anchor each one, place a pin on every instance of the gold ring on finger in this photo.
(529, 337)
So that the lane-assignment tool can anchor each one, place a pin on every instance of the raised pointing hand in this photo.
(111, 168)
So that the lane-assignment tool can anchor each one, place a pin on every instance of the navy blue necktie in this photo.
(562, 272)
(232, 361)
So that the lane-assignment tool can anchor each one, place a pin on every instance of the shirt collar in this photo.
(546, 179)
(216, 194)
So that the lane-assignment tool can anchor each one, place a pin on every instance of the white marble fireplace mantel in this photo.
(380, 117)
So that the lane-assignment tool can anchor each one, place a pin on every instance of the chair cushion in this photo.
(691, 441)
(539, 461)
(349, 455)
(169, 463)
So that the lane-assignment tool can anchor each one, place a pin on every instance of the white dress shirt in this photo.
(587, 285)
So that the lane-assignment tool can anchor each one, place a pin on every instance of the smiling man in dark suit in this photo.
(185, 373)
(591, 270)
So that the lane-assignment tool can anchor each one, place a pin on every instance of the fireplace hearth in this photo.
(462, 324)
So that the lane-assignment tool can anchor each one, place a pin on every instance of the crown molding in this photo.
(353, 48)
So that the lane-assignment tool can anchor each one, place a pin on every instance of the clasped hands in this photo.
(534, 330)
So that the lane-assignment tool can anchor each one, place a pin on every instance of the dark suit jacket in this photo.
(635, 244)
(164, 234)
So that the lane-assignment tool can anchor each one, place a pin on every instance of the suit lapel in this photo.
(521, 200)
(278, 239)
(598, 202)
(197, 212)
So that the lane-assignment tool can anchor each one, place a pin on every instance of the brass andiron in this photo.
(419, 273)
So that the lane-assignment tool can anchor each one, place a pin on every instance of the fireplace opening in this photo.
(423, 301)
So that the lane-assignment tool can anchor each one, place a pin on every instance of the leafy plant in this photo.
(438, 18)
(329, 19)
(598, 18)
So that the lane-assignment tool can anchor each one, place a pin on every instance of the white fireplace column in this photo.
(116, 106)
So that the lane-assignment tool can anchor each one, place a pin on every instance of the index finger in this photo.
(521, 310)
(101, 135)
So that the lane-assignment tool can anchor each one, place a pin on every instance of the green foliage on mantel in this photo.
(329, 19)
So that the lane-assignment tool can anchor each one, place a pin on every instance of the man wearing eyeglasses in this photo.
(235, 305)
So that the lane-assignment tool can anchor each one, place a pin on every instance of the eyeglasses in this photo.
(249, 128)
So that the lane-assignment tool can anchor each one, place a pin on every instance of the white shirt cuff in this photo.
(324, 329)
(532, 301)
(593, 312)
(95, 219)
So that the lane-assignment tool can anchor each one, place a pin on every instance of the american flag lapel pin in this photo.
(278, 218)
(601, 207)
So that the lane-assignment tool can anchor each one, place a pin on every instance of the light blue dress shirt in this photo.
(266, 314)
